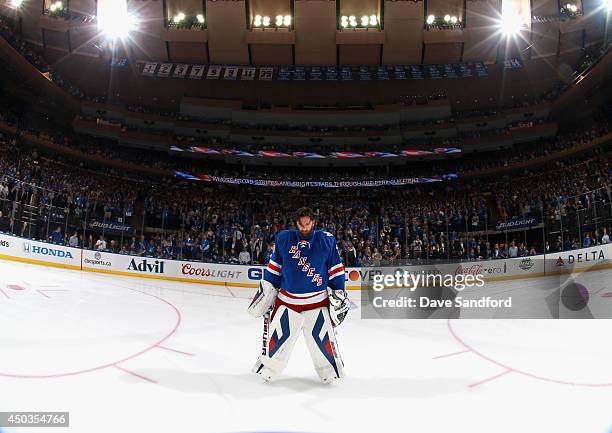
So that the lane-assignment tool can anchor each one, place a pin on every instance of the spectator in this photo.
(74, 240)
(56, 236)
(605, 239)
(100, 244)
(244, 257)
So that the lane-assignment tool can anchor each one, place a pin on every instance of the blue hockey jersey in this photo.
(301, 266)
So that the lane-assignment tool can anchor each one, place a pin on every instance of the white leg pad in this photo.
(320, 338)
(284, 331)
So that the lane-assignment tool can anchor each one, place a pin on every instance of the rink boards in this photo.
(35, 252)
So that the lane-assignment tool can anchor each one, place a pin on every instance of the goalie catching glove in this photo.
(263, 300)
(338, 305)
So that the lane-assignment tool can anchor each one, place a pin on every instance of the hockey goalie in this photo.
(302, 291)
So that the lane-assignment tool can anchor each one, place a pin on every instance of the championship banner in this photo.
(346, 73)
(231, 73)
(316, 73)
(480, 69)
(266, 73)
(118, 62)
(149, 69)
(365, 74)
(399, 73)
(299, 73)
(214, 72)
(248, 73)
(513, 64)
(164, 70)
(330, 73)
(382, 73)
(197, 72)
(180, 71)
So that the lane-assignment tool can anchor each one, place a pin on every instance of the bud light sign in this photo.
(520, 223)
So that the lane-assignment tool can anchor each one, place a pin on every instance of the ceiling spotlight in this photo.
(447, 18)
(179, 18)
(365, 20)
(200, 18)
(114, 19)
(287, 20)
(431, 19)
(266, 21)
(454, 19)
(511, 23)
(16, 3)
(373, 20)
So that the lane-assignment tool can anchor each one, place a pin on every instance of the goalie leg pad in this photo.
(285, 329)
(320, 338)
(263, 300)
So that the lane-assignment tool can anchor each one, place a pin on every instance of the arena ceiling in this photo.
(313, 32)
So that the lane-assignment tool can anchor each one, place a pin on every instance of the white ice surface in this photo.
(126, 355)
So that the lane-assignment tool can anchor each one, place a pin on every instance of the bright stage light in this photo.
(454, 19)
(447, 18)
(431, 19)
(114, 20)
(365, 20)
(180, 17)
(608, 4)
(266, 21)
(16, 3)
(287, 20)
(344, 21)
(373, 20)
(511, 23)
(257, 20)
(353, 21)
(200, 18)
(279, 20)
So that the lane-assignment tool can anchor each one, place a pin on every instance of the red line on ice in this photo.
(497, 376)
(112, 364)
(174, 350)
(514, 370)
(450, 354)
(136, 374)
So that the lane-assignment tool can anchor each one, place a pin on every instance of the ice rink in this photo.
(124, 354)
